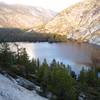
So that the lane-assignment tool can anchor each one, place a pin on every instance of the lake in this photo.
(74, 54)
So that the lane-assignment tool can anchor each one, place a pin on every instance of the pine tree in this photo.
(43, 75)
(92, 77)
(18, 53)
(6, 56)
(33, 68)
(24, 62)
(38, 64)
(82, 77)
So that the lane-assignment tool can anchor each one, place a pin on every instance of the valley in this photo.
(49, 54)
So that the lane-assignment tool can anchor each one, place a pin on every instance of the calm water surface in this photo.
(76, 55)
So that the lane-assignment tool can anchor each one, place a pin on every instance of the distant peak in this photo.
(92, 1)
(2, 3)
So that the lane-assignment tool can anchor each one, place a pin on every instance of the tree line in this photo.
(54, 77)
(19, 35)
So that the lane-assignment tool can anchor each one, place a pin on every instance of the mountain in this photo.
(20, 16)
(80, 21)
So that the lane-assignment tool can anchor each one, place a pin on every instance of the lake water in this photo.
(76, 55)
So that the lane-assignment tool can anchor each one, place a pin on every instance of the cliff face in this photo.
(11, 90)
(80, 22)
(19, 16)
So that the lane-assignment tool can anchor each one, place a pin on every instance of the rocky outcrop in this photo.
(10, 90)
(80, 22)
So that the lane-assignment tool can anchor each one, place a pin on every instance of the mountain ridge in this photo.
(80, 22)
(20, 16)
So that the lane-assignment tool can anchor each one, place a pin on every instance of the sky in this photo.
(56, 5)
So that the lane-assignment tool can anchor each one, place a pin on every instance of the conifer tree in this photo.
(6, 56)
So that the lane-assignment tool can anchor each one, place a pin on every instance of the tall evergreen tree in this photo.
(6, 56)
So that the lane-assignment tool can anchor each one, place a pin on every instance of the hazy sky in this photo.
(56, 5)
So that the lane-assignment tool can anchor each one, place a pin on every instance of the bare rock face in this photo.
(19, 16)
(10, 90)
(80, 22)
